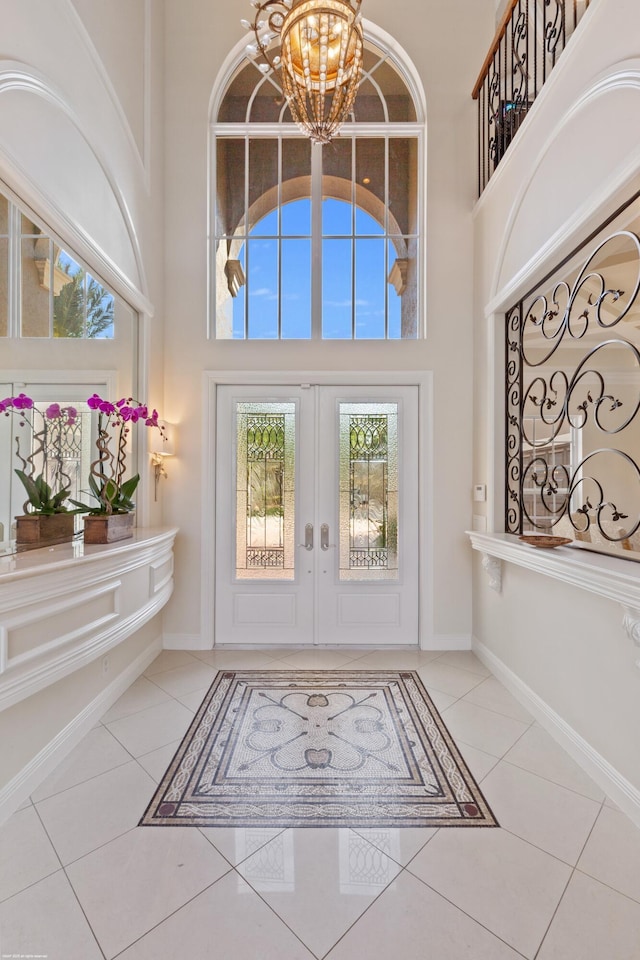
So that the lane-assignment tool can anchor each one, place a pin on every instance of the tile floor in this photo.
(559, 881)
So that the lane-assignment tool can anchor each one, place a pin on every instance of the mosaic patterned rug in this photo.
(332, 748)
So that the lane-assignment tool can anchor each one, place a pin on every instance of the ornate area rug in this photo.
(333, 748)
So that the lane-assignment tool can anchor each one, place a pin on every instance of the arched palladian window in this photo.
(310, 241)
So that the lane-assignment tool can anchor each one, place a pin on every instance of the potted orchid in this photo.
(111, 517)
(46, 515)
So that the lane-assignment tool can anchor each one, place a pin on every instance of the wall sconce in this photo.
(163, 445)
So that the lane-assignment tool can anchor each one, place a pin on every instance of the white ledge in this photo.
(606, 576)
(64, 606)
(597, 573)
(61, 556)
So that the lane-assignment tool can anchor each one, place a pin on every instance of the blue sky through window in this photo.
(354, 275)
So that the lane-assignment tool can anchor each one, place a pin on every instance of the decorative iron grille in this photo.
(572, 383)
(64, 455)
(530, 38)
(259, 557)
(265, 471)
(368, 444)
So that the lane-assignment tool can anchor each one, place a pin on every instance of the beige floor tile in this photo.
(409, 921)
(152, 728)
(157, 761)
(479, 762)
(130, 885)
(239, 843)
(237, 659)
(301, 869)
(593, 922)
(46, 921)
(394, 659)
(452, 680)
(441, 700)
(400, 845)
(226, 922)
(94, 812)
(492, 695)
(140, 695)
(26, 853)
(193, 700)
(169, 660)
(538, 752)
(466, 660)
(612, 853)
(185, 679)
(315, 660)
(504, 883)
(484, 729)
(549, 816)
(97, 752)
(321, 894)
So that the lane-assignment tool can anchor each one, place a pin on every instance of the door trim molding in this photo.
(423, 380)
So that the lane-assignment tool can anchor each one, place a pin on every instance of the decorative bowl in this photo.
(544, 540)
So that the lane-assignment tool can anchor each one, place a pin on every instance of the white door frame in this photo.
(422, 380)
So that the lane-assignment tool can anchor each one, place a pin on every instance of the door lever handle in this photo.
(324, 537)
(308, 537)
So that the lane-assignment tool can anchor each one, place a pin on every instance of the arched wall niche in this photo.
(587, 162)
(50, 163)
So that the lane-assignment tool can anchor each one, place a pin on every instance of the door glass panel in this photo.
(368, 491)
(265, 491)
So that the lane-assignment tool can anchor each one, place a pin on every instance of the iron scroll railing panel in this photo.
(572, 389)
(529, 40)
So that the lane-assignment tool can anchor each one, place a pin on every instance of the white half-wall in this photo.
(614, 784)
(559, 647)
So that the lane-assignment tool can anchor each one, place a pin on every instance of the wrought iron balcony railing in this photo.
(528, 42)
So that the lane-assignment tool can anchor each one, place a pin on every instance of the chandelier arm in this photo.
(320, 58)
(275, 11)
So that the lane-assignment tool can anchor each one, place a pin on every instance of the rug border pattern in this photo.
(461, 802)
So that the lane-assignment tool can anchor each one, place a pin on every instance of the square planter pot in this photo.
(37, 529)
(108, 528)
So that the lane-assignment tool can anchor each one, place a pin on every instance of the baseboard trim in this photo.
(20, 787)
(451, 641)
(184, 641)
(614, 784)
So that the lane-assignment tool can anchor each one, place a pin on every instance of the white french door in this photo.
(317, 528)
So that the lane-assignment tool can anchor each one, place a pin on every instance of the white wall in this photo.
(575, 160)
(447, 45)
(81, 142)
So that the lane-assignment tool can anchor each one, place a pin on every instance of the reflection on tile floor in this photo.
(78, 879)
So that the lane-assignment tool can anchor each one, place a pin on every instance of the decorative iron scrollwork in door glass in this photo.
(573, 398)
(368, 491)
(265, 492)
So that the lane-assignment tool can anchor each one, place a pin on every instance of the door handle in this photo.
(324, 537)
(308, 537)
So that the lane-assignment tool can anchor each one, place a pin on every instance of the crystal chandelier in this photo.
(320, 58)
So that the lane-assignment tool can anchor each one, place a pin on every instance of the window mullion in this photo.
(14, 271)
(247, 230)
(279, 240)
(386, 237)
(354, 147)
(316, 241)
